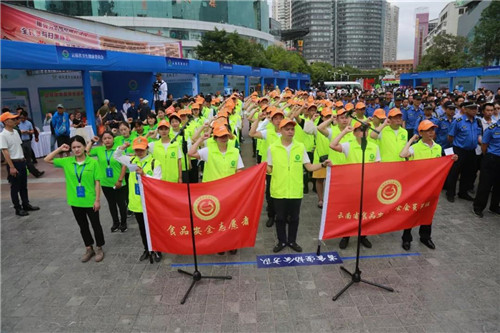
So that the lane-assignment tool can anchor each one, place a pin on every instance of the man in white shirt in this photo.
(10, 144)
(160, 92)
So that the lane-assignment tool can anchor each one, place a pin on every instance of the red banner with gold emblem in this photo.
(226, 213)
(397, 196)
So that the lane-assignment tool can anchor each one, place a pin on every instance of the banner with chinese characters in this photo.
(397, 196)
(226, 213)
(19, 25)
(302, 259)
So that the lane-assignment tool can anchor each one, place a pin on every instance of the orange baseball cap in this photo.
(7, 115)
(170, 110)
(349, 106)
(199, 100)
(174, 115)
(285, 122)
(312, 106)
(140, 143)
(184, 112)
(339, 104)
(394, 112)
(326, 112)
(360, 105)
(379, 113)
(220, 130)
(357, 125)
(426, 125)
(163, 123)
(276, 111)
(195, 106)
(215, 100)
(341, 111)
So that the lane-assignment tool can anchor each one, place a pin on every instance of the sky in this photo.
(406, 28)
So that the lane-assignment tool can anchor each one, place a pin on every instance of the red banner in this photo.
(226, 213)
(19, 25)
(397, 196)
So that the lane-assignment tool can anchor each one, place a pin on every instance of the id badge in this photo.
(80, 192)
(137, 189)
(109, 172)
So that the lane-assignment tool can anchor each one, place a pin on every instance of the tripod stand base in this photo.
(196, 275)
(356, 278)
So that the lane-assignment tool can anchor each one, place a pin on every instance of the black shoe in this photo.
(279, 247)
(344, 242)
(39, 174)
(156, 256)
(144, 256)
(466, 196)
(221, 253)
(306, 189)
(21, 212)
(123, 227)
(366, 243)
(450, 198)
(270, 222)
(233, 252)
(296, 247)
(130, 213)
(29, 207)
(429, 243)
(406, 246)
(477, 213)
(115, 227)
(494, 211)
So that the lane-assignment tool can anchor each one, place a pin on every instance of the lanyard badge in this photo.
(80, 190)
(109, 170)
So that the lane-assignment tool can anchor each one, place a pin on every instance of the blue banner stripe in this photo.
(238, 263)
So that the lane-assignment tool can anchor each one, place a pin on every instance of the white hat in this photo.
(145, 101)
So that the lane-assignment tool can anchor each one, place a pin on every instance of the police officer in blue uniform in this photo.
(411, 115)
(489, 177)
(444, 124)
(370, 106)
(465, 134)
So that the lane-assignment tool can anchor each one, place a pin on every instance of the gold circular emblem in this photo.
(206, 207)
(389, 191)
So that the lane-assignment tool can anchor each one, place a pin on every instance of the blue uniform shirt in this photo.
(369, 110)
(25, 126)
(440, 111)
(410, 116)
(465, 132)
(442, 132)
(492, 138)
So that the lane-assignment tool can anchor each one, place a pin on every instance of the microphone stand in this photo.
(356, 276)
(196, 275)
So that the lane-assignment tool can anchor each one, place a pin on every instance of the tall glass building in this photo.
(342, 32)
(186, 20)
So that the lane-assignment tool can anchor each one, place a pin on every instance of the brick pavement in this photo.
(45, 288)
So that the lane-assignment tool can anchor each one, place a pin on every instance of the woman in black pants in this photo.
(112, 179)
(83, 191)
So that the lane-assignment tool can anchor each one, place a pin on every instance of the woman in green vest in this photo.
(354, 154)
(423, 149)
(112, 179)
(221, 160)
(176, 122)
(168, 154)
(83, 190)
(285, 160)
(141, 164)
(126, 135)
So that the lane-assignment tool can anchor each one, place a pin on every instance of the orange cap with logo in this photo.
(174, 115)
(394, 112)
(140, 143)
(199, 100)
(360, 105)
(379, 113)
(184, 112)
(220, 130)
(339, 104)
(426, 125)
(341, 111)
(285, 122)
(276, 111)
(163, 123)
(326, 112)
(349, 107)
(7, 115)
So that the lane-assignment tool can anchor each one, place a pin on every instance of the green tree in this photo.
(284, 60)
(447, 52)
(321, 71)
(486, 43)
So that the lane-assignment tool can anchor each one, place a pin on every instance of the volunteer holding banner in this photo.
(140, 164)
(83, 190)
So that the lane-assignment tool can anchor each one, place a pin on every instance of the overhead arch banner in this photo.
(226, 213)
(397, 196)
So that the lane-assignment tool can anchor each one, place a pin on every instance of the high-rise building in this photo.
(282, 12)
(391, 33)
(446, 23)
(470, 15)
(342, 32)
(421, 30)
(183, 20)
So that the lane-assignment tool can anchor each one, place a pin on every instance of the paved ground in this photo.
(45, 287)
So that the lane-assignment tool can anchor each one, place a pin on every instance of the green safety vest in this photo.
(391, 144)
(220, 165)
(338, 158)
(272, 136)
(168, 160)
(171, 134)
(356, 154)
(287, 178)
(134, 200)
(422, 151)
(303, 137)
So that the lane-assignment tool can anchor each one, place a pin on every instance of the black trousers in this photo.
(254, 146)
(308, 175)
(464, 167)
(270, 201)
(28, 155)
(117, 200)
(142, 228)
(18, 185)
(424, 232)
(192, 174)
(287, 211)
(489, 181)
(81, 214)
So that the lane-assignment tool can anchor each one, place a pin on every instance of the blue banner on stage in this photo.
(303, 259)
(77, 55)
